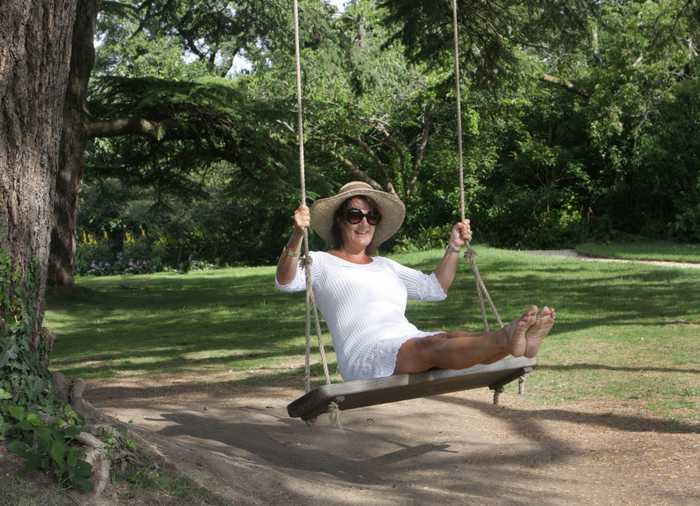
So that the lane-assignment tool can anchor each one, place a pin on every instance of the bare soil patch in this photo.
(570, 253)
(237, 440)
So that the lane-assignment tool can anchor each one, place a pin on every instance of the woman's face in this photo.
(357, 236)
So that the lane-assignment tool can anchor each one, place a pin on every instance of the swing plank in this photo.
(361, 393)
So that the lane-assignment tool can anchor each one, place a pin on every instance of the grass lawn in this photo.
(643, 250)
(624, 333)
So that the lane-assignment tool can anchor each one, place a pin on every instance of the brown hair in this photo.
(338, 217)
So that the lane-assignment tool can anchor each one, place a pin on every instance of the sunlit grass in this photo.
(625, 332)
(643, 250)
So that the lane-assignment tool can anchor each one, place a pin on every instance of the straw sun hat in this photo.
(390, 207)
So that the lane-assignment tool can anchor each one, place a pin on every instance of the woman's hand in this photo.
(301, 218)
(461, 234)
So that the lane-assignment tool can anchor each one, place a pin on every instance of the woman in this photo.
(363, 297)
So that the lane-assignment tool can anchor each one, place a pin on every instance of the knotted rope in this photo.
(305, 257)
(469, 254)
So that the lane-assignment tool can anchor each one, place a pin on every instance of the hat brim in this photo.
(390, 206)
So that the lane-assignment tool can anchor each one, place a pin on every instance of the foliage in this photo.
(491, 33)
(47, 446)
(585, 135)
(422, 239)
(579, 121)
(38, 424)
(229, 222)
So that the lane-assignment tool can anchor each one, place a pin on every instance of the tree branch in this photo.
(134, 126)
(389, 139)
(355, 171)
(564, 83)
(421, 148)
(381, 166)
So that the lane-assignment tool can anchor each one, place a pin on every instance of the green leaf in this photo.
(19, 448)
(24, 426)
(83, 469)
(80, 476)
(17, 412)
(57, 453)
(34, 420)
(4, 394)
(83, 485)
(44, 438)
(34, 462)
(72, 457)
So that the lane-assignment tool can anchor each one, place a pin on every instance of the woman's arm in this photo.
(289, 259)
(447, 268)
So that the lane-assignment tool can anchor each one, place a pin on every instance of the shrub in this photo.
(686, 227)
(425, 238)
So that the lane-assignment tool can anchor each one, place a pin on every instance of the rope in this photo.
(306, 258)
(458, 94)
(300, 112)
(469, 254)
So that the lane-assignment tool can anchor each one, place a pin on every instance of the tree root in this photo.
(99, 454)
(83, 407)
(61, 386)
(97, 457)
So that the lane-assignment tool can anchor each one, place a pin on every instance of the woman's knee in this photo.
(417, 355)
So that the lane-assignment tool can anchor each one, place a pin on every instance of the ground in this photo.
(227, 427)
(451, 449)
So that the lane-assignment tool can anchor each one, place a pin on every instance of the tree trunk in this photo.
(73, 145)
(35, 48)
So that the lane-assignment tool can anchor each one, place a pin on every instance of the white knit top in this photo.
(364, 306)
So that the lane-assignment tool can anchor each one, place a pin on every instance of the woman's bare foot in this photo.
(516, 332)
(538, 331)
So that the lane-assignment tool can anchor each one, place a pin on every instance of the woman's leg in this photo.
(458, 350)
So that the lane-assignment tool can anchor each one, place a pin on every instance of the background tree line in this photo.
(580, 121)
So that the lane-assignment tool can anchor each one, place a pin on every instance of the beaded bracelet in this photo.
(290, 253)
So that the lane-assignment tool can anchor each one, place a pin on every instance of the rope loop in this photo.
(470, 255)
(306, 261)
(334, 415)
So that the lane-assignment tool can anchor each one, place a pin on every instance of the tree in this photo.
(35, 61)
(73, 145)
(579, 105)
(214, 31)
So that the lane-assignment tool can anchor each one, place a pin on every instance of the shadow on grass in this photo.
(293, 377)
(175, 364)
(153, 326)
(235, 319)
(594, 293)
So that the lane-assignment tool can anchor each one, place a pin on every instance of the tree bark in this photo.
(35, 49)
(73, 145)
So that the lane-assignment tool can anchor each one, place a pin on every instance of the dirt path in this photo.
(574, 254)
(450, 449)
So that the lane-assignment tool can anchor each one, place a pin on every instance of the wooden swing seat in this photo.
(361, 393)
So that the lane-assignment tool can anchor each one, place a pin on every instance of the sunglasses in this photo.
(355, 215)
